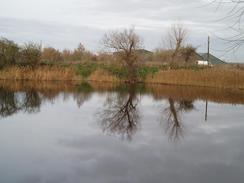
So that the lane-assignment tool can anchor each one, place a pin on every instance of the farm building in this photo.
(203, 59)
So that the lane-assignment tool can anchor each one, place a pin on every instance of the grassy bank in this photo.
(221, 77)
(210, 77)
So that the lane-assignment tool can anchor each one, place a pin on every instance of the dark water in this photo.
(100, 133)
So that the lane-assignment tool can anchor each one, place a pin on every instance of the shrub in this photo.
(117, 70)
(8, 52)
(188, 53)
(86, 69)
(142, 72)
(162, 55)
(67, 55)
(78, 53)
(30, 55)
(51, 55)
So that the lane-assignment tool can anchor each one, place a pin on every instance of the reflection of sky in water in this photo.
(63, 143)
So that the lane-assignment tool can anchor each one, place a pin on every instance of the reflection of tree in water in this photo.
(120, 115)
(8, 103)
(174, 125)
(84, 93)
(49, 95)
(12, 102)
(80, 95)
(31, 102)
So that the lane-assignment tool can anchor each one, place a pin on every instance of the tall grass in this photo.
(44, 73)
(209, 77)
(224, 77)
(103, 76)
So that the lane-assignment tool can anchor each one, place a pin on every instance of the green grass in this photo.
(86, 69)
(115, 70)
(143, 71)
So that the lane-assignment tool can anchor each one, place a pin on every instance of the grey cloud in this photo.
(65, 23)
(50, 34)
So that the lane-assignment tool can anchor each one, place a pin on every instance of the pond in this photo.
(106, 133)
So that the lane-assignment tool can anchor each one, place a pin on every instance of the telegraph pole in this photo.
(206, 107)
(208, 50)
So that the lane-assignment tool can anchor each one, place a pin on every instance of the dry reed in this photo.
(44, 73)
(103, 76)
(211, 77)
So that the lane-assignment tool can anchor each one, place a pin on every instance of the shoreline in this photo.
(158, 92)
(124, 82)
(221, 78)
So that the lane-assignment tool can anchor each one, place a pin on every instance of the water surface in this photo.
(101, 133)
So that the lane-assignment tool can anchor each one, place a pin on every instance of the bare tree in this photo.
(176, 38)
(125, 44)
(235, 16)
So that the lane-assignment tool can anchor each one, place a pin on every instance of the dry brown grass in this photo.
(44, 73)
(102, 76)
(221, 77)
(211, 77)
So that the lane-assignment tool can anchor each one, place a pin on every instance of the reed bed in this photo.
(42, 73)
(210, 77)
(103, 76)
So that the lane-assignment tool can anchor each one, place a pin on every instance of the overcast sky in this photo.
(65, 23)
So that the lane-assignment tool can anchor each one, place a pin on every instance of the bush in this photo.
(86, 69)
(51, 55)
(142, 72)
(30, 55)
(8, 52)
(67, 55)
(184, 56)
(188, 53)
(163, 56)
(116, 70)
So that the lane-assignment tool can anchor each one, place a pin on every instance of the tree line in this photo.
(32, 54)
(13, 54)
(123, 47)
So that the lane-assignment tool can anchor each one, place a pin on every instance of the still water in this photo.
(101, 133)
